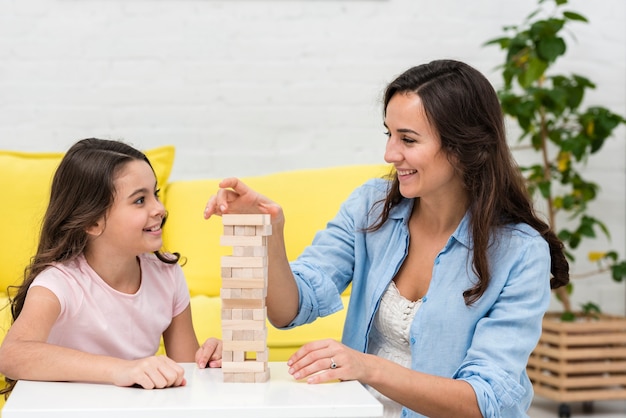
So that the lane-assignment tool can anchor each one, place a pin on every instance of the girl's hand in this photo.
(324, 360)
(209, 354)
(234, 196)
(155, 372)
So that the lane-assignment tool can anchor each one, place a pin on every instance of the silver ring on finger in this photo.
(333, 365)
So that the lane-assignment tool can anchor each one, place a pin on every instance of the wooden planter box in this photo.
(582, 361)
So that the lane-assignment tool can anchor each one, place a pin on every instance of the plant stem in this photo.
(547, 175)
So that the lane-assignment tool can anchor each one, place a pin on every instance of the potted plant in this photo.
(582, 353)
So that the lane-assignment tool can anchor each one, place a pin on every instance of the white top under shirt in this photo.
(389, 338)
(96, 318)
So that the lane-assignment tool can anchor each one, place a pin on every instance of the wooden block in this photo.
(252, 293)
(261, 377)
(263, 355)
(259, 314)
(229, 377)
(259, 334)
(229, 230)
(241, 335)
(264, 230)
(233, 293)
(236, 315)
(227, 334)
(227, 356)
(231, 261)
(227, 272)
(239, 377)
(239, 355)
(248, 314)
(244, 345)
(250, 251)
(242, 241)
(244, 367)
(228, 314)
(240, 230)
(250, 231)
(243, 304)
(249, 273)
(236, 324)
(246, 219)
(229, 283)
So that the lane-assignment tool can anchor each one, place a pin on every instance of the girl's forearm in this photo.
(47, 362)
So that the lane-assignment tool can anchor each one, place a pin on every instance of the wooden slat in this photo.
(579, 395)
(578, 367)
(581, 354)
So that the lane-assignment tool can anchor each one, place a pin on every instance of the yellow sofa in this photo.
(310, 198)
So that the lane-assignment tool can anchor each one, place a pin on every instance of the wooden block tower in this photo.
(244, 287)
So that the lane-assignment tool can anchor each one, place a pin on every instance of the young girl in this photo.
(99, 294)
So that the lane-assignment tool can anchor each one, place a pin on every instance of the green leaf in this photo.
(575, 16)
(618, 271)
(611, 255)
(590, 309)
(587, 231)
(583, 81)
(568, 202)
(535, 68)
(544, 188)
(502, 42)
(550, 48)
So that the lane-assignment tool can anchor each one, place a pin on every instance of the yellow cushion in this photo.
(25, 180)
(5, 323)
(310, 198)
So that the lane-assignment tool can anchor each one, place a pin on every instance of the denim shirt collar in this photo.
(462, 234)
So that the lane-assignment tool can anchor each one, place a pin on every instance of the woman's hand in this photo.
(209, 354)
(324, 360)
(155, 372)
(234, 196)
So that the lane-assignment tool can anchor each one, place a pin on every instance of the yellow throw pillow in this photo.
(25, 179)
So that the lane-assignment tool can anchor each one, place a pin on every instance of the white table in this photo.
(205, 395)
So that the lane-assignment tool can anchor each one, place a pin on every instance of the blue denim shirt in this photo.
(486, 344)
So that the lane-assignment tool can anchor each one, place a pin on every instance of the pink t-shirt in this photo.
(96, 318)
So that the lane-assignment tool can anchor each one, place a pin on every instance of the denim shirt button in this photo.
(412, 340)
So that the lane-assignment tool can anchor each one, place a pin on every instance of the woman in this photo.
(449, 265)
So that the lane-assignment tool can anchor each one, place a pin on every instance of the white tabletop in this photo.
(205, 395)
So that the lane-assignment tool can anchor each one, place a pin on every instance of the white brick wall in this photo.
(247, 87)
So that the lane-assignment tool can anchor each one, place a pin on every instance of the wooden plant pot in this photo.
(584, 360)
